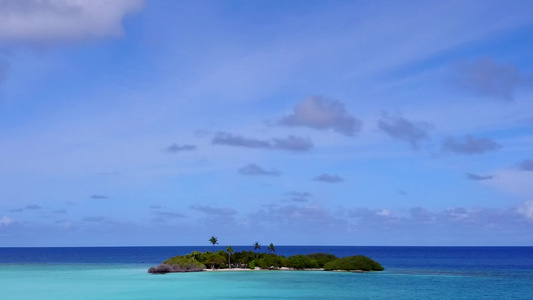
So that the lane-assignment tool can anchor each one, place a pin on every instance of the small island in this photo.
(249, 260)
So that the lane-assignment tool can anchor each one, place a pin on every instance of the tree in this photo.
(257, 246)
(213, 240)
(230, 252)
(271, 248)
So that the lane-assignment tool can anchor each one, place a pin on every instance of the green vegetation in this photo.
(196, 261)
(230, 253)
(322, 258)
(178, 264)
(352, 263)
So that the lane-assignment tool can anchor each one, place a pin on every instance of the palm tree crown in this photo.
(257, 246)
(271, 248)
(213, 240)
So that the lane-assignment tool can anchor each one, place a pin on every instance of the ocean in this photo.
(410, 273)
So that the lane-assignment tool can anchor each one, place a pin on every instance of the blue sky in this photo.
(294, 122)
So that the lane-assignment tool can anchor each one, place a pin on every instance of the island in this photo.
(248, 260)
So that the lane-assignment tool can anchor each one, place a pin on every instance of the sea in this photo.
(410, 273)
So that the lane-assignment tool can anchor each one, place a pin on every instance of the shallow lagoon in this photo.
(116, 282)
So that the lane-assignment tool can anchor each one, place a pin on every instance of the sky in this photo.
(131, 122)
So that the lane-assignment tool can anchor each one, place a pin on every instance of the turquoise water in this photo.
(132, 282)
(490, 274)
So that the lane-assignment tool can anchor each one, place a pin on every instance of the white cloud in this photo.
(43, 21)
(526, 209)
(5, 221)
(323, 113)
(513, 182)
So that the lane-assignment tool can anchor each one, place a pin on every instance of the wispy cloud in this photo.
(5, 221)
(228, 139)
(526, 165)
(299, 196)
(169, 214)
(328, 178)
(402, 129)
(294, 214)
(469, 145)
(215, 211)
(322, 113)
(255, 170)
(33, 207)
(27, 207)
(98, 197)
(290, 143)
(175, 148)
(293, 143)
(38, 21)
(487, 77)
(476, 177)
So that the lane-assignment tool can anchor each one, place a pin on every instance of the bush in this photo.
(322, 258)
(302, 262)
(251, 265)
(353, 263)
(214, 260)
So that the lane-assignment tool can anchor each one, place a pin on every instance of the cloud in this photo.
(526, 210)
(477, 177)
(255, 170)
(98, 197)
(290, 214)
(214, 210)
(299, 196)
(169, 215)
(60, 211)
(5, 221)
(28, 207)
(38, 21)
(322, 113)
(486, 77)
(526, 165)
(154, 206)
(291, 143)
(33, 207)
(328, 178)
(405, 130)
(421, 215)
(175, 148)
(228, 139)
(470, 145)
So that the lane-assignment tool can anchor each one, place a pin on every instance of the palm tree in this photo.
(257, 246)
(230, 252)
(213, 240)
(271, 248)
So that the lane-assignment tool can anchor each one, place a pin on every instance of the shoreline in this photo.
(259, 269)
